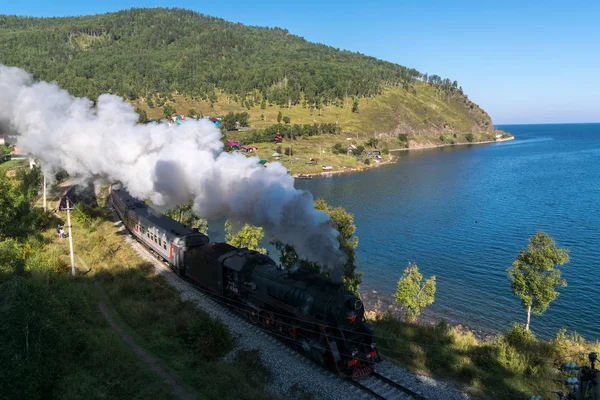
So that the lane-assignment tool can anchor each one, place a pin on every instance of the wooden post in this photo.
(70, 238)
(44, 193)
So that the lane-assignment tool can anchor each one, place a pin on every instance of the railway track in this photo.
(374, 386)
(383, 388)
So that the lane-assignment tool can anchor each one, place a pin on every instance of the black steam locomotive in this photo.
(303, 307)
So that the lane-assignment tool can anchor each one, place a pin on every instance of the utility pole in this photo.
(44, 193)
(70, 238)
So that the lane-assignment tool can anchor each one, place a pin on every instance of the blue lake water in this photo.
(463, 213)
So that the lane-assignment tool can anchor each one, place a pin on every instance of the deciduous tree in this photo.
(412, 295)
(344, 223)
(169, 110)
(248, 237)
(534, 275)
(185, 215)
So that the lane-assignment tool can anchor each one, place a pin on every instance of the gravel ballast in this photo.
(292, 372)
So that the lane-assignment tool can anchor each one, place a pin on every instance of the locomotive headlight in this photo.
(373, 346)
(354, 353)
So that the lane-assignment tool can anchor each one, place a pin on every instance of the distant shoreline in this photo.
(392, 158)
(454, 144)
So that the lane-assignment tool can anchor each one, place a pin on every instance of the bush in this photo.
(441, 138)
(373, 142)
(470, 137)
(385, 151)
(403, 137)
(338, 149)
(358, 151)
(11, 256)
(368, 161)
(209, 338)
(518, 336)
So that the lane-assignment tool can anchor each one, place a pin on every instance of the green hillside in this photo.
(154, 54)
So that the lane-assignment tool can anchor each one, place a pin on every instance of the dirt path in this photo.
(152, 362)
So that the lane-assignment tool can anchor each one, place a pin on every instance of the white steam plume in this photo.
(168, 164)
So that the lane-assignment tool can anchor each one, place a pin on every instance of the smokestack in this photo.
(169, 164)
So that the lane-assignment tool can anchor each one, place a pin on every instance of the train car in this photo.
(174, 242)
(302, 307)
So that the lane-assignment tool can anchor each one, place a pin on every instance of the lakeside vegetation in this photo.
(511, 365)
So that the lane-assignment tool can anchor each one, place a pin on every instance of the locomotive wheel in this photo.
(253, 315)
(268, 319)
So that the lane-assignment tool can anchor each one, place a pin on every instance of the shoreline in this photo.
(392, 159)
(377, 305)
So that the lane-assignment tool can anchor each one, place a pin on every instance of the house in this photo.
(277, 138)
(248, 149)
(375, 154)
(351, 148)
(234, 144)
(215, 121)
(264, 163)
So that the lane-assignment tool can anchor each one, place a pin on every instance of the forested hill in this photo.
(155, 53)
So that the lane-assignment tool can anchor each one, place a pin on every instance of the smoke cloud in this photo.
(168, 164)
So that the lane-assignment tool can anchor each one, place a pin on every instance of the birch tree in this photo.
(534, 274)
(412, 295)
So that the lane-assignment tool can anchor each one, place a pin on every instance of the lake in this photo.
(463, 213)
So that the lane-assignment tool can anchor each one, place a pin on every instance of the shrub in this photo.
(368, 161)
(441, 138)
(358, 151)
(518, 336)
(338, 149)
(209, 338)
(470, 137)
(403, 137)
(373, 142)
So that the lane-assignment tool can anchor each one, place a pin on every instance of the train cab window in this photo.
(159, 243)
(165, 245)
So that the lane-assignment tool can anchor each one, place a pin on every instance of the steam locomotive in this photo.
(302, 307)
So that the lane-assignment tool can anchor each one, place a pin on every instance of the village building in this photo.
(2, 141)
(248, 149)
(234, 144)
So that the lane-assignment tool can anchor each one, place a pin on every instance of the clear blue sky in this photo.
(524, 61)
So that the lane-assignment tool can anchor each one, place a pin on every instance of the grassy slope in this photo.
(186, 339)
(423, 111)
(423, 114)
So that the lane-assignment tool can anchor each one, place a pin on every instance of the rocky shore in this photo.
(377, 304)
